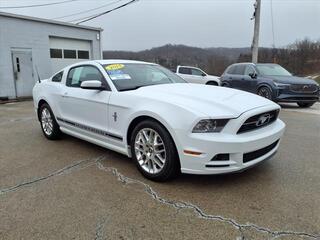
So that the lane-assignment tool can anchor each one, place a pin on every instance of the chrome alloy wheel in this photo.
(46, 121)
(150, 150)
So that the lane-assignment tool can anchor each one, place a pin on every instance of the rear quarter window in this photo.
(57, 77)
(230, 70)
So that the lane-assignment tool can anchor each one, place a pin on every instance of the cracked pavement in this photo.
(71, 189)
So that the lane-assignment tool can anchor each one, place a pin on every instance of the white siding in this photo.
(35, 35)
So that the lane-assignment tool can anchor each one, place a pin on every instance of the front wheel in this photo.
(49, 126)
(265, 92)
(212, 83)
(154, 152)
(225, 84)
(305, 104)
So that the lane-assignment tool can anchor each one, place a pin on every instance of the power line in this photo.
(103, 13)
(86, 11)
(38, 5)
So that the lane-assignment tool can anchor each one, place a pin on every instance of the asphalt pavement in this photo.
(71, 189)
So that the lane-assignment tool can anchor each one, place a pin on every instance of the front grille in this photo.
(303, 88)
(247, 157)
(258, 121)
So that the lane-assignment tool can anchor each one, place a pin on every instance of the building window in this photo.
(83, 54)
(55, 53)
(70, 54)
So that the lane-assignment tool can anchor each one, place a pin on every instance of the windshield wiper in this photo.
(132, 88)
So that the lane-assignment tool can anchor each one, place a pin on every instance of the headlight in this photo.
(210, 125)
(281, 85)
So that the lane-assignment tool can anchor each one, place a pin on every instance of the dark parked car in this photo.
(271, 81)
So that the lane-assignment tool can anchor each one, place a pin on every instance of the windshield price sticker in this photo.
(114, 67)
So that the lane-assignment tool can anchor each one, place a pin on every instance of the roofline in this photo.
(254, 63)
(49, 21)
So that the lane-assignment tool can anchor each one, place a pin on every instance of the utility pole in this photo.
(255, 42)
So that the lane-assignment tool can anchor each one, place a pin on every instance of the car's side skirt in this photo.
(95, 141)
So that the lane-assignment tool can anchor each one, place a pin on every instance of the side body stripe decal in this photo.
(90, 129)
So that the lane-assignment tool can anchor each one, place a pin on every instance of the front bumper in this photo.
(286, 95)
(244, 150)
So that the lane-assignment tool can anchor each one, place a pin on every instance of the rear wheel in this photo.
(154, 152)
(49, 126)
(265, 92)
(305, 104)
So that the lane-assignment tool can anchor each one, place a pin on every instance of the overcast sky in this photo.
(201, 23)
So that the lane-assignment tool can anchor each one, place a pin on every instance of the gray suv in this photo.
(271, 81)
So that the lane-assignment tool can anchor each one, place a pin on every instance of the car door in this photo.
(250, 78)
(185, 73)
(198, 76)
(84, 110)
(239, 78)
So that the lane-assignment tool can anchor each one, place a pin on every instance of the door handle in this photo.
(230, 78)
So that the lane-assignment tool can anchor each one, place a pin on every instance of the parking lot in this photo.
(71, 189)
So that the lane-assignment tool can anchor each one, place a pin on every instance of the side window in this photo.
(57, 77)
(79, 74)
(196, 72)
(239, 70)
(184, 70)
(249, 70)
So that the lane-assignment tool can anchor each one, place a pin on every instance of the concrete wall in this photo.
(20, 33)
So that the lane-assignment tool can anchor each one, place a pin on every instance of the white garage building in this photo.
(29, 45)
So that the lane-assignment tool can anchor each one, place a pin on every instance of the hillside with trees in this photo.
(301, 57)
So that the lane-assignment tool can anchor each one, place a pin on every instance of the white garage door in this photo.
(65, 51)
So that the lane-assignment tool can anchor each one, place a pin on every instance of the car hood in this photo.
(212, 77)
(210, 101)
(291, 80)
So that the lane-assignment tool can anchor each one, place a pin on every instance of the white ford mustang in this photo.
(166, 125)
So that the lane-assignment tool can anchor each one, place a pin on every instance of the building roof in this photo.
(49, 21)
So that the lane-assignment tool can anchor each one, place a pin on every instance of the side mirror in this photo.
(203, 74)
(253, 75)
(92, 84)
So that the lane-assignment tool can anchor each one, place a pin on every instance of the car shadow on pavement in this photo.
(237, 178)
(127, 167)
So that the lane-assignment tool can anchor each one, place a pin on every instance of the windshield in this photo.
(130, 76)
(272, 70)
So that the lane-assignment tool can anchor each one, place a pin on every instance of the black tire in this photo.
(55, 133)
(225, 84)
(265, 92)
(171, 166)
(305, 104)
(212, 83)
